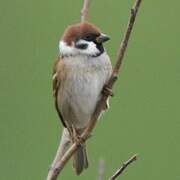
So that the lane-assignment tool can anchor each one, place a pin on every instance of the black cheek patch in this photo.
(81, 46)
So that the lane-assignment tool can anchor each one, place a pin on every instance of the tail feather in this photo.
(80, 161)
(86, 163)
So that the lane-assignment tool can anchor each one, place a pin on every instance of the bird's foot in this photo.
(107, 91)
(77, 138)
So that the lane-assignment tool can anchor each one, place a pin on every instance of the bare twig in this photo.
(123, 167)
(102, 102)
(101, 170)
(64, 143)
(84, 11)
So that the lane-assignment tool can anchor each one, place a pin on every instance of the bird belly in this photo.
(81, 93)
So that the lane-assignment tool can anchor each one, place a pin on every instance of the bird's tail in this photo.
(80, 160)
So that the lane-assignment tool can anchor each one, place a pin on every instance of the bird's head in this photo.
(82, 39)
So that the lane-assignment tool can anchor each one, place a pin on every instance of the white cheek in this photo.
(64, 49)
(91, 49)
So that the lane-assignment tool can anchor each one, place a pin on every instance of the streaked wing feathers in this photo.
(56, 82)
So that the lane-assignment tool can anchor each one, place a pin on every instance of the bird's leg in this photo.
(77, 137)
(107, 92)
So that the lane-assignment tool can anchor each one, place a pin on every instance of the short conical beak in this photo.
(102, 38)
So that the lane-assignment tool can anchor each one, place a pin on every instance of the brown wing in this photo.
(56, 82)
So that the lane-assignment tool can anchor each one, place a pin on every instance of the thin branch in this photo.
(64, 144)
(123, 167)
(101, 170)
(102, 102)
(85, 10)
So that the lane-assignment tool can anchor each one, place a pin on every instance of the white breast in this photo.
(83, 87)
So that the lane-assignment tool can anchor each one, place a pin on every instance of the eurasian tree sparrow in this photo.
(82, 69)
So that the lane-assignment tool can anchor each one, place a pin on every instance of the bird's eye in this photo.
(88, 37)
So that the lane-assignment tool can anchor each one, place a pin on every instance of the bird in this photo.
(80, 72)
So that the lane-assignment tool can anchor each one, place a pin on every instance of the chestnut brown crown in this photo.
(80, 31)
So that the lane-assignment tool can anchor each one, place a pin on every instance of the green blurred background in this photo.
(144, 117)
